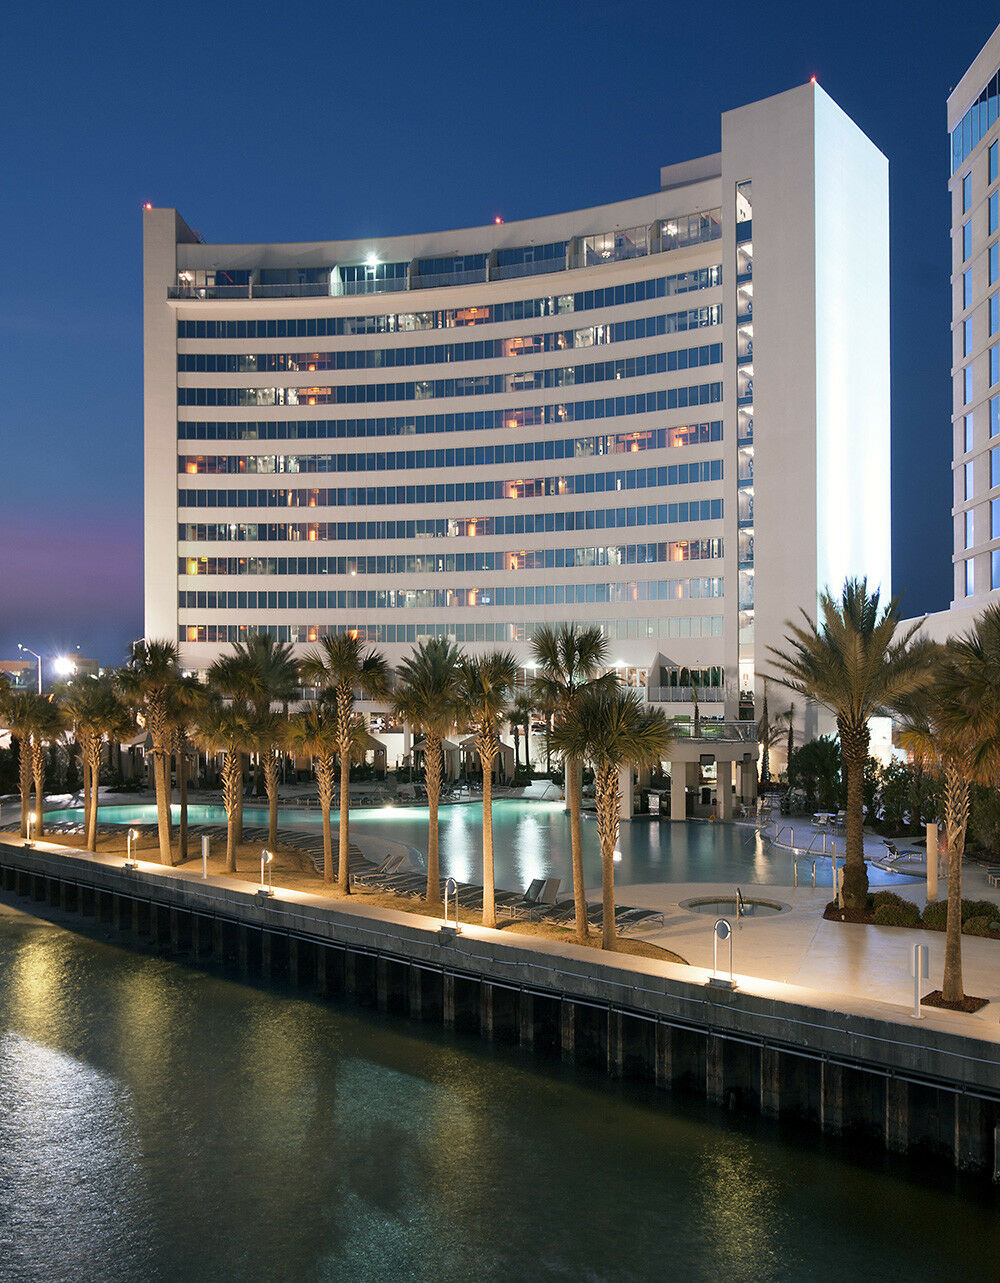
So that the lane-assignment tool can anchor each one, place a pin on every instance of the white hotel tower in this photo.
(668, 416)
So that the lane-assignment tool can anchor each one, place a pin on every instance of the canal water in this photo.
(160, 1123)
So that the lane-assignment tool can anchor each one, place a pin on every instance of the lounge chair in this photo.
(519, 907)
(628, 919)
(389, 865)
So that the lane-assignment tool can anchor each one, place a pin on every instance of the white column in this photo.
(724, 790)
(678, 790)
(625, 793)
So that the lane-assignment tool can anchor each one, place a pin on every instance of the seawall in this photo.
(762, 1047)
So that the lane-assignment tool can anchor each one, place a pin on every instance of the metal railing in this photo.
(707, 729)
(684, 695)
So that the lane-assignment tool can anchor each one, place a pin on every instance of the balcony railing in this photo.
(708, 729)
(657, 238)
(684, 695)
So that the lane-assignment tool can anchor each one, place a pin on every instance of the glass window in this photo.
(994, 268)
(995, 518)
(970, 578)
(967, 384)
(966, 241)
(991, 214)
(994, 416)
(994, 314)
(968, 481)
(967, 284)
(968, 433)
(995, 568)
(967, 193)
(967, 336)
(970, 527)
(995, 467)
(993, 159)
(994, 365)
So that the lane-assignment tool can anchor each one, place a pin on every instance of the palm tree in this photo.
(48, 727)
(188, 699)
(954, 724)
(486, 685)
(341, 666)
(263, 671)
(764, 731)
(316, 732)
(96, 712)
(569, 662)
(520, 719)
(854, 666)
(145, 683)
(223, 728)
(268, 734)
(28, 716)
(428, 698)
(611, 729)
(13, 718)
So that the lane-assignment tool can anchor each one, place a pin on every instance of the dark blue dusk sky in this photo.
(313, 121)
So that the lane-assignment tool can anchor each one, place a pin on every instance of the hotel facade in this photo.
(668, 416)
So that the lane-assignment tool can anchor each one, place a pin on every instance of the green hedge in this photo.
(896, 915)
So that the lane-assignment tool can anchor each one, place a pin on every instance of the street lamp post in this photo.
(130, 864)
(28, 651)
(265, 863)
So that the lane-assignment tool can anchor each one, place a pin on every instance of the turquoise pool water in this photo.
(531, 840)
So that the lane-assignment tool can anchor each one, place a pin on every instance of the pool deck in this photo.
(840, 965)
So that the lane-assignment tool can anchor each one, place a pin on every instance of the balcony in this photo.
(710, 729)
(684, 695)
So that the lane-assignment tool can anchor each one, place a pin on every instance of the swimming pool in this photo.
(531, 840)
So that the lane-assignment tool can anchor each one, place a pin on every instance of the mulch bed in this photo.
(968, 1003)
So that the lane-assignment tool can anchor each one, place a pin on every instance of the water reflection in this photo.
(160, 1124)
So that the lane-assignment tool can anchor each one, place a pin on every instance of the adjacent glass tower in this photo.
(974, 129)
(668, 416)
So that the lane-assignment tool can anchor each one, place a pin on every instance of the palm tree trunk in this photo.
(517, 745)
(607, 828)
(38, 771)
(343, 874)
(854, 754)
(86, 782)
(324, 783)
(271, 788)
(489, 888)
(239, 800)
(232, 784)
(182, 797)
(956, 820)
(161, 780)
(92, 768)
(432, 776)
(24, 780)
(527, 744)
(576, 848)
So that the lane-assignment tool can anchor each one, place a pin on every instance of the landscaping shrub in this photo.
(981, 926)
(884, 897)
(979, 909)
(902, 914)
(935, 916)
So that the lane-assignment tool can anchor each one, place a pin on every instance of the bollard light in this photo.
(131, 864)
(450, 889)
(266, 857)
(722, 931)
(32, 824)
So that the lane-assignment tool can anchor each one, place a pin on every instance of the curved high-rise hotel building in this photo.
(667, 416)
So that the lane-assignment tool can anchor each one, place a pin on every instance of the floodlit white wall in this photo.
(852, 352)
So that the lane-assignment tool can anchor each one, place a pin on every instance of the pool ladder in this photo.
(741, 908)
